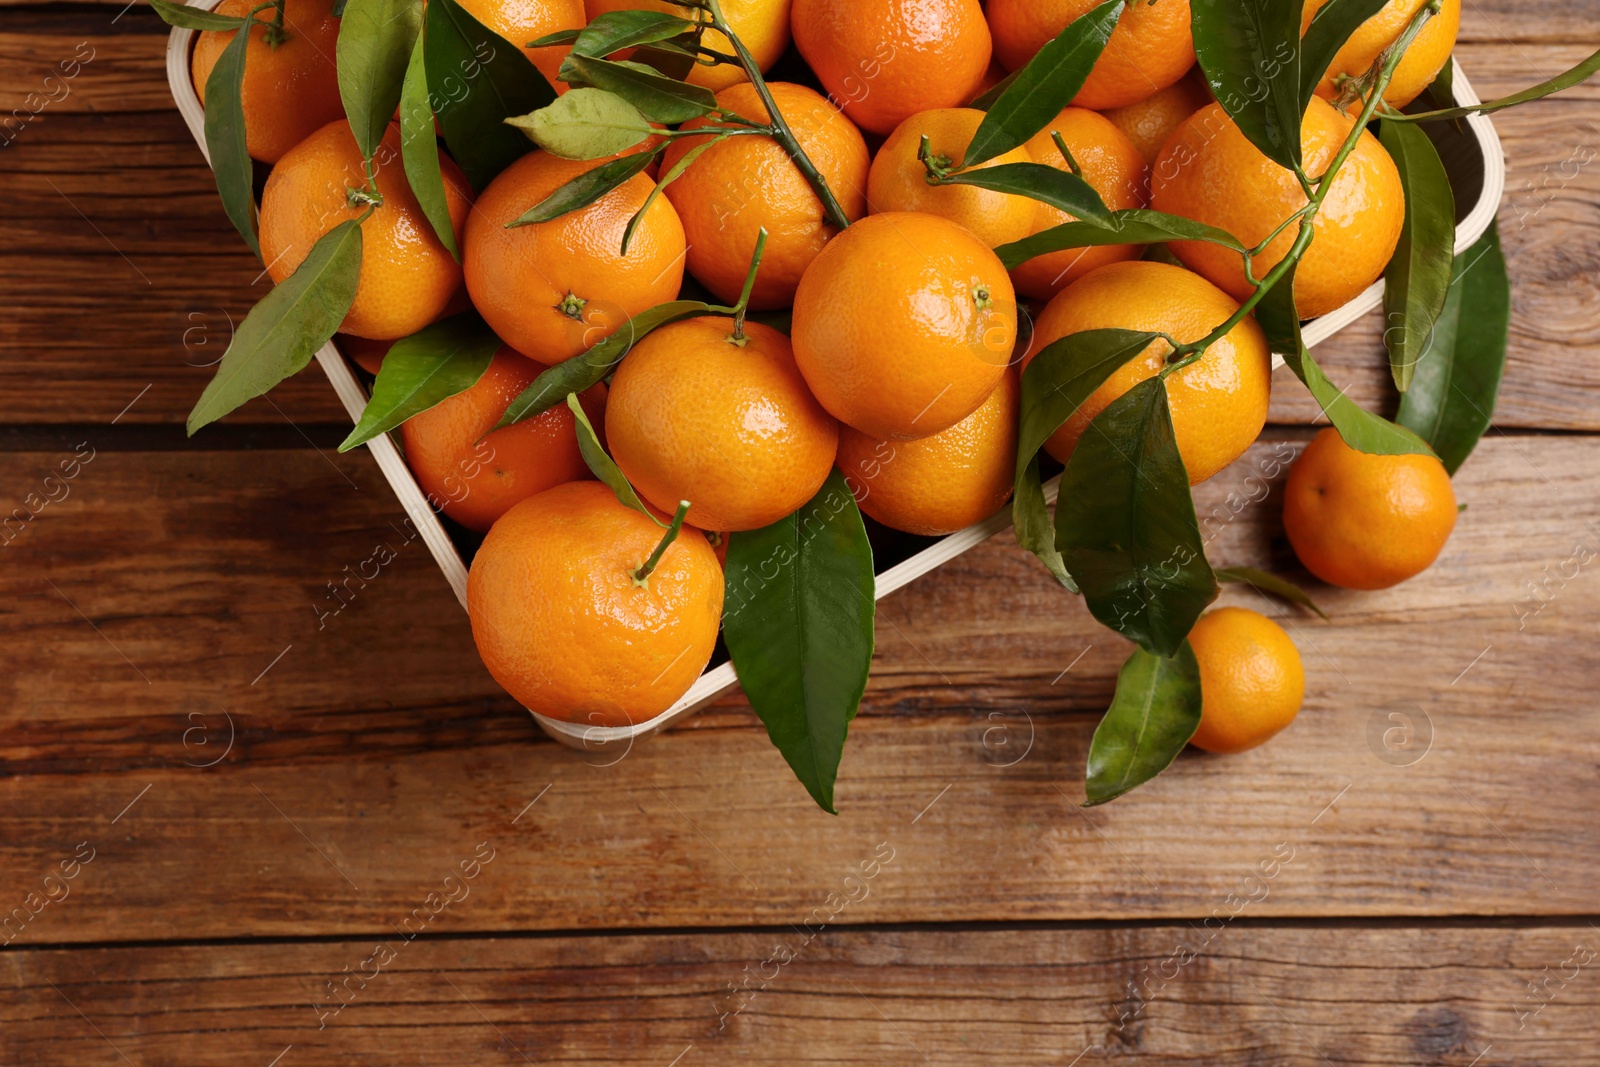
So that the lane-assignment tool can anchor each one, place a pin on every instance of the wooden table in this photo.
(295, 842)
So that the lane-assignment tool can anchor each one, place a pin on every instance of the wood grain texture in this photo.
(1236, 994)
(116, 240)
(377, 748)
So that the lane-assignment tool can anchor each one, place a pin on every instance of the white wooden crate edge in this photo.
(718, 680)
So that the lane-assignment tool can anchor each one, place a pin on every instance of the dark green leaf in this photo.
(658, 98)
(1125, 523)
(1452, 398)
(798, 623)
(282, 332)
(1360, 428)
(1055, 384)
(585, 124)
(376, 39)
(1045, 85)
(1038, 181)
(580, 372)
(194, 18)
(1443, 89)
(585, 189)
(986, 100)
(1133, 226)
(225, 139)
(1418, 275)
(478, 80)
(1249, 50)
(603, 466)
(616, 30)
(559, 37)
(1269, 583)
(1565, 80)
(430, 366)
(419, 149)
(1328, 32)
(1155, 712)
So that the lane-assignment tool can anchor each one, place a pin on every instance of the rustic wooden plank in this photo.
(1236, 993)
(377, 747)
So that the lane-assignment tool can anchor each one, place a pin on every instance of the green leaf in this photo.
(602, 465)
(1249, 51)
(559, 37)
(430, 366)
(797, 619)
(419, 150)
(986, 100)
(1452, 398)
(479, 79)
(1154, 713)
(282, 332)
(225, 139)
(376, 39)
(1264, 582)
(1565, 80)
(672, 174)
(1133, 226)
(1038, 181)
(1054, 385)
(584, 124)
(1418, 275)
(1125, 523)
(1045, 85)
(580, 372)
(1443, 89)
(194, 18)
(658, 98)
(1360, 428)
(616, 30)
(585, 189)
(1329, 30)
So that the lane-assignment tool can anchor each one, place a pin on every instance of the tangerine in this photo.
(940, 484)
(1366, 522)
(743, 184)
(521, 21)
(1429, 52)
(899, 181)
(474, 478)
(762, 26)
(904, 324)
(291, 89)
(408, 277)
(1218, 403)
(554, 289)
(885, 60)
(1149, 122)
(1210, 172)
(567, 629)
(1150, 48)
(1252, 682)
(700, 413)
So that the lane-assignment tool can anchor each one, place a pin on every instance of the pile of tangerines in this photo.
(848, 312)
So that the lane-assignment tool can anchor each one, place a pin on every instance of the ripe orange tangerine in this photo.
(475, 479)
(885, 60)
(291, 89)
(1218, 403)
(521, 21)
(1210, 172)
(1252, 682)
(1428, 53)
(564, 625)
(698, 414)
(554, 289)
(407, 277)
(904, 324)
(762, 25)
(1150, 48)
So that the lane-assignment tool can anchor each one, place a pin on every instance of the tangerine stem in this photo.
(743, 305)
(1066, 153)
(641, 576)
(782, 133)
